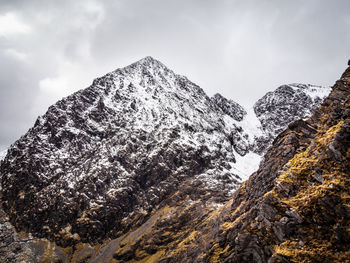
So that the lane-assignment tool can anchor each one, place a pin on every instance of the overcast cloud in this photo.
(241, 49)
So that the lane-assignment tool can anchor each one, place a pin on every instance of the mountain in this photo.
(107, 156)
(141, 149)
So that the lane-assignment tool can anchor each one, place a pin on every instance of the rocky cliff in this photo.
(295, 208)
(142, 165)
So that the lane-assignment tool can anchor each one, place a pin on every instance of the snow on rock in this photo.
(229, 107)
(246, 165)
(102, 159)
(125, 144)
(286, 104)
(3, 154)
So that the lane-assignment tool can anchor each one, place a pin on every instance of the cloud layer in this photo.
(242, 49)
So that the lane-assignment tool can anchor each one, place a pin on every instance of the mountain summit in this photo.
(106, 156)
(142, 146)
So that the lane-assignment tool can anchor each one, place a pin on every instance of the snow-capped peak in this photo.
(138, 136)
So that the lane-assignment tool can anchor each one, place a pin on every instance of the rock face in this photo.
(229, 107)
(144, 161)
(296, 207)
(286, 104)
(106, 156)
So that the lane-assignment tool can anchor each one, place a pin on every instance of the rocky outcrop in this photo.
(229, 107)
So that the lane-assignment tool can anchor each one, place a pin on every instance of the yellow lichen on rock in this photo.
(332, 182)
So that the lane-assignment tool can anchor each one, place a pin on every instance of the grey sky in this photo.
(241, 49)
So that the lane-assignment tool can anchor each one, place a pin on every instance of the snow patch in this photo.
(246, 165)
(3, 154)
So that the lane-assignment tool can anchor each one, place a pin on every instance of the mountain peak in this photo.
(148, 59)
(128, 142)
(147, 68)
(148, 62)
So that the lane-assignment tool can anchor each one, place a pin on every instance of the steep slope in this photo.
(99, 161)
(141, 162)
(296, 207)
